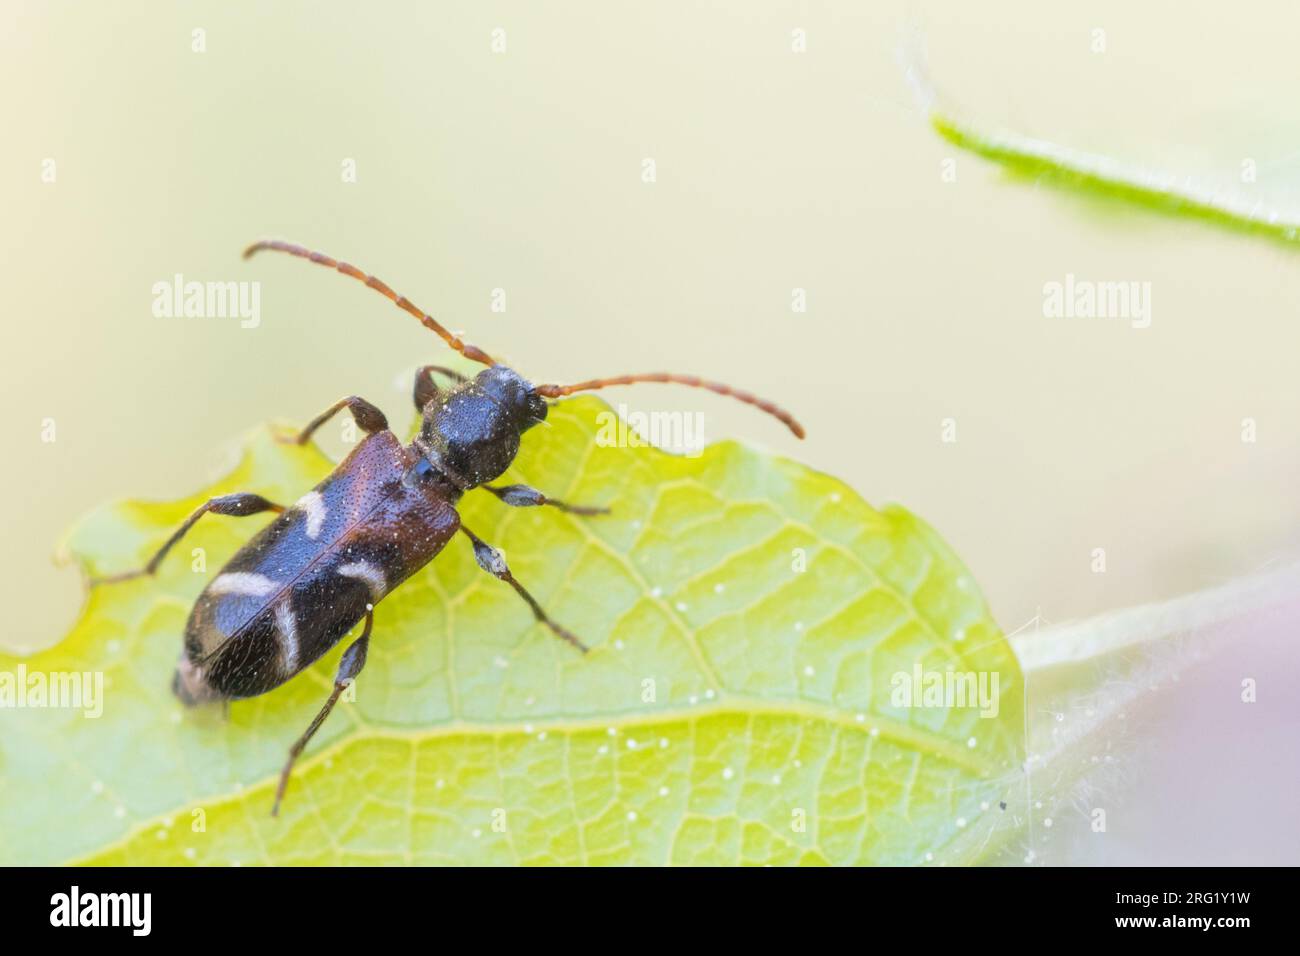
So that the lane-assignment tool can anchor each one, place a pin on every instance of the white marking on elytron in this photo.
(288, 627)
(365, 571)
(242, 582)
(313, 506)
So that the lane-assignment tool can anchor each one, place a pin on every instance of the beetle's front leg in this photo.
(494, 563)
(522, 496)
(366, 415)
(237, 505)
(426, 389)
(354, 658)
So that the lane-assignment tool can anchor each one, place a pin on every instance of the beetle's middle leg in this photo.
(238, 505)
(366, 415)
(494, 563)
(354, 658)
(522, 496)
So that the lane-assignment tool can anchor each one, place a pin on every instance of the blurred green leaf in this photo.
(1104, 178)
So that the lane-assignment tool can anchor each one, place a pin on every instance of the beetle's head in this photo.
(471, 432)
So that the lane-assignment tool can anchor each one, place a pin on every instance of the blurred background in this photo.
(459, 149)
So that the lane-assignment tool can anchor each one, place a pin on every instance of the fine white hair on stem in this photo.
(1084, 680)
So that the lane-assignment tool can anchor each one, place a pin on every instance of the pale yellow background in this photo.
(775, 171)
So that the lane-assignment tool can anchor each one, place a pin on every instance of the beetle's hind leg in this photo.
(522, 496)
(237, 505)
(494, 563)
(354, 658)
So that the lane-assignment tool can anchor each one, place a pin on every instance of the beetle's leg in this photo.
(494, 563)
(354, 658)
(521, 496)
(237, 505)
(370, 418)
(426, 389)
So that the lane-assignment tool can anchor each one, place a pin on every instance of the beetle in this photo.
(302, 583)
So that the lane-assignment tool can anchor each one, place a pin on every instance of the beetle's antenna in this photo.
(559, 391)
(402, 302)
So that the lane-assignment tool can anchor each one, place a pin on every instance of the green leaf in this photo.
(728, 695)
(1104, 178)
(1212, 199)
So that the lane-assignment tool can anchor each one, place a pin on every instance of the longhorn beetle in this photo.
(306, 579)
